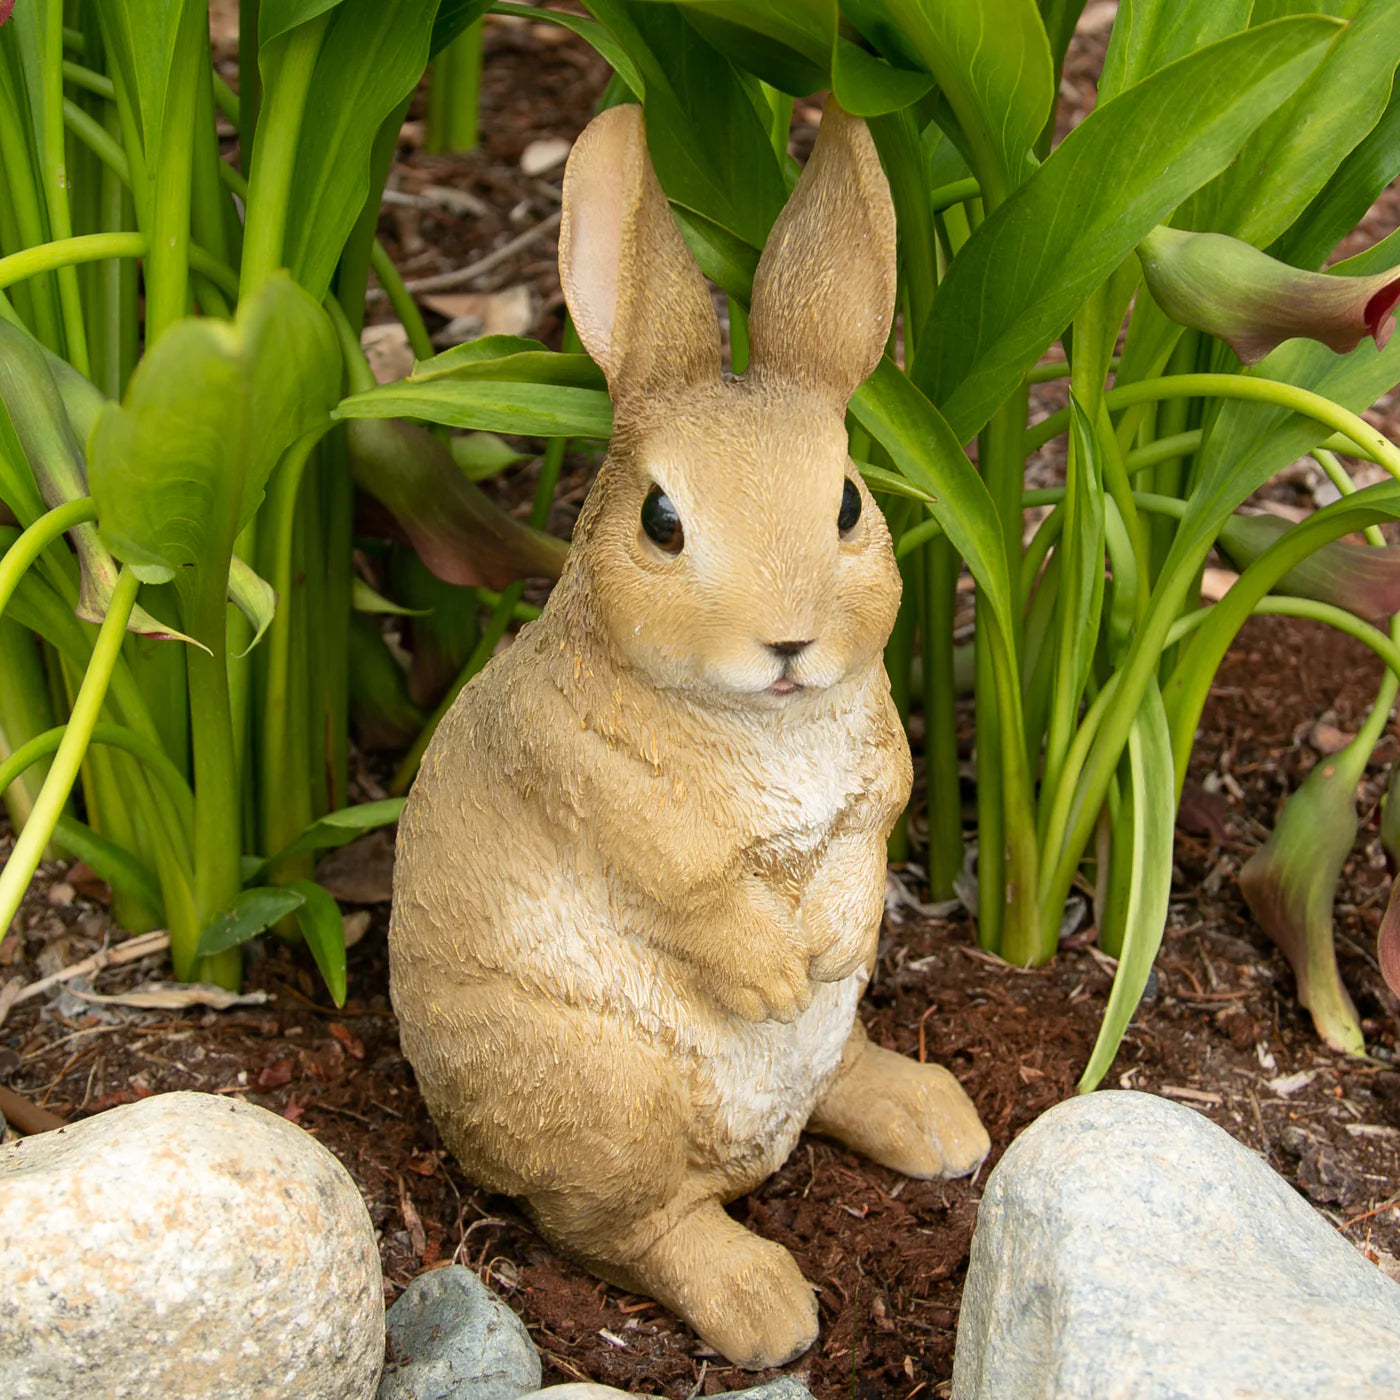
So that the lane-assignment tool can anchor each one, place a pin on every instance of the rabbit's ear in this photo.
(638, 301)
(823, 295)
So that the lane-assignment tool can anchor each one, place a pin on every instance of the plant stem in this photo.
(86, 247)
(454, 95)
(29, 848)
(37, 538)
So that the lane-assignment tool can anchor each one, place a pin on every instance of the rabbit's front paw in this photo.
(767, 985)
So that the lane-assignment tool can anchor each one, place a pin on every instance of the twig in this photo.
(141, 946)
(445, 281)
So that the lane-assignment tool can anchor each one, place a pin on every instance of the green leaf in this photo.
(732, 175)
(924, 448)
(461, 534)
(318, 915)
(992, 62)
(1149, 34)
(1060, 17)
(251, 912)
(453, 17)
(483, 454)
(371, 59)
(278, 16)
(589, 30)
(1019, 279)
(364, 599)
(528, 410)
(1153, 797)
(179, 468)
(723, 257)
(1344, 200)
(1295, 150)
(335, 829)
(253, 596)
(539, 366)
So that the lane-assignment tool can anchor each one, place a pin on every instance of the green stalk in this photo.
(29, 848)
(270, 179)
(401, 299)
(55, 172)
(37, 538)
(25, 710)
(167, 266)
(87, 247)
(1350, 425)
(944, 820)
(89, 81)
(249, 81)
(454, 95)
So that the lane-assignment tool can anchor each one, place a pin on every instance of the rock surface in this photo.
(186, 1245)
(1126, 1246)
(784, 1388)
(451, 1338)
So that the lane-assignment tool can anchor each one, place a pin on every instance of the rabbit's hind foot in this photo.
(914, 1118)
(744, 1295)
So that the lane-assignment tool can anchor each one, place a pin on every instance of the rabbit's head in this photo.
(729, 549)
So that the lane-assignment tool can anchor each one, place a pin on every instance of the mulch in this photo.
(1220, 1029)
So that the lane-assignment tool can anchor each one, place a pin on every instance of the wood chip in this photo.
(175, 996)
(1177, 1091)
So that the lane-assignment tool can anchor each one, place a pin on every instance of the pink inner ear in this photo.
(596, 186)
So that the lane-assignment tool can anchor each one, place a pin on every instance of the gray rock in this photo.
(187, 1245)
(784, 1388)
(1128, 1247)
(451, 1338)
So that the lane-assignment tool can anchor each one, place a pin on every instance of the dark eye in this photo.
(662, 523)
(850, 508)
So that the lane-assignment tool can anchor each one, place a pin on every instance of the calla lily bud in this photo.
(7, 8)
(1290, 883)
(1358, 577)
(1253, 302)
(1388, 940)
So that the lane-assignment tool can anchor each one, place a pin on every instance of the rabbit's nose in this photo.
(788, 650)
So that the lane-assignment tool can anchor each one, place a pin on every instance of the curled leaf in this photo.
(1290, 883)
(365, 599)
(36, 408)
(1253, 302)
(1360, 578)
(458, 531)
(253, 596)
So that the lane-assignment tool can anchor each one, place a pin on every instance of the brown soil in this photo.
(1220, 1030)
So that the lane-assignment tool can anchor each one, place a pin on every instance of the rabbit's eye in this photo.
(661, 522)
(850, 508)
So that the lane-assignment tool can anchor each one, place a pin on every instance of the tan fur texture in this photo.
(641, 874)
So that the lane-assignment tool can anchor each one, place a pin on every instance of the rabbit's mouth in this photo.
(784, 685)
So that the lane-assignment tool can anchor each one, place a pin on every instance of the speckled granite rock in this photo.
(1128, 1247)
(187, 1245)
(451, 1338)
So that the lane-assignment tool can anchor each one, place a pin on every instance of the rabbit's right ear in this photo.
(638, 301)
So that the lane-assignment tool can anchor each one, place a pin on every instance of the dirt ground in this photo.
(1220, 1029)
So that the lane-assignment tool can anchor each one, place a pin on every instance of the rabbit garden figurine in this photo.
(641, 874)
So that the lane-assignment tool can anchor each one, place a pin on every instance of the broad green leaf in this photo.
(370, 60)
(332, 830)
(453, 17)
(251, 912)
(528, 410)
(278, 16)
(1344, 200)
(992, 62)
(382, 713)
(1060, 18)
(179, 468)
(526, 367)
(441, 641)
(722, 256)
(318, 916)
(1296, 148)
(1019, 279)
(787, 45)
(732, 175)
(589, 30)
(1149, 34)
(140, 41)
(459, 532)
(1149, 879)
(925, 449)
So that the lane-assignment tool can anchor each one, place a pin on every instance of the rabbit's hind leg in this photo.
(744, 1295)
(915, 1118)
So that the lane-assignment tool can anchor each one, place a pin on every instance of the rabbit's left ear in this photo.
(823, 295)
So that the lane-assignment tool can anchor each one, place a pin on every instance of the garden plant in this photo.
(189, 418)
